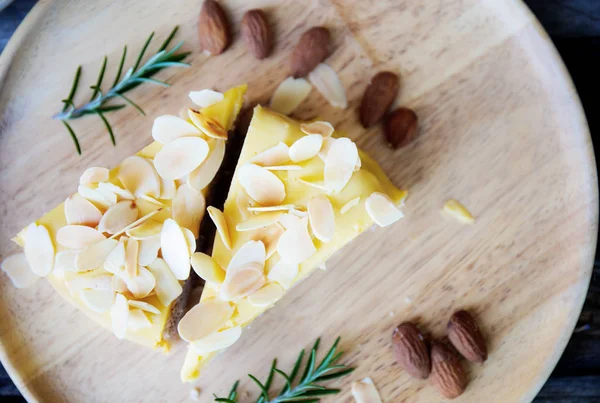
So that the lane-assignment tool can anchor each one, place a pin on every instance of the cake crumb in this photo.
(194, 393)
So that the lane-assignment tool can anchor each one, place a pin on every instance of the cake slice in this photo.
(299, 194)
(119, 249)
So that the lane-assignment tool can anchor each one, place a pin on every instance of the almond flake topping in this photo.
(17, 269)
(120, 192)
(220, 222)
(94, 175)
(119, 315)
(312, 183)
(147, 229)
(203, 319)
(138, 175)
(116, 259)
(201, 177)
(77, 236)
(117, 284)
(351, 203)
(175, 250)
(325, 129)
(65, 261)
(295, 245)
(141, 284)
(261, 185)
(259, 221)
(131, 257)
(188, 208)
(365, 392)
(94, 255)
(269, 236)
(284, 273)
(339, 164)
(290, 94)
(206, 98)
(80, 211)
(209, 126)
(138, 320)
(95, 197)
(242, 282)
(167, 128)
(276, 155)
(217, 341)
(281, 207)
(190, 239)
(98, 300)
(382, 209)
(284, 168)
(306, 147)
(118, 216)
(167, 287)
(267, 295)
(144, 306)
(180, 157)
(321, 217)
(39, 250)
(148, 251)
(328, 83)
(207, 268)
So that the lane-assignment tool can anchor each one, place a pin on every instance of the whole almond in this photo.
(213, 28)
(401, 127)
(378, 98)
(447, 373)
(464, 334)
(312, 48)
(411, 351)
(256, 32)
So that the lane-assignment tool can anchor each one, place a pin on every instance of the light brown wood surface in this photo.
(502, 131)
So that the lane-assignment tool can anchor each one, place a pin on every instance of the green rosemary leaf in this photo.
(327, 358)
(99, 80)
(180, 56)
(108, 128)
(73, 88)
(162, 65)
(288, 381)
(233, 392)
(110, 108)
(151, 80)
(304, 399)
(329, 369)
(336, 357)
(312, 393)
(262, 399)
(141, 55)
(120, 69)
(310, 366)
(264, 391)
(174, 49)
(130, 102)
(334, 375)
(224, 400)
(169, 38)
(296, 367)
(73, 136)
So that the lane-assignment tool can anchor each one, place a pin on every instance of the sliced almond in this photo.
(148, 229)
(242, 281)
(327, 143)
(202, 176)
(205, 318)
(288, 220)
(65, 261)
(284, 273)
(141, 284)
(205, 98)
(131, 257)
(118, 216)
(312, 183)
(299, 213)
(116, 259)
(295, 245)
(138, 175)
(259, 221)
(328, 83)
(137, 222)
(167, 287)
(269, 236)
(382, 209)
(180, 157)
(190, 239)
(242, 202)
(365, 392)
(94, 175)
(322, 128)
(83, 282)
(144, 306)
(119, 315)
(207, 268)
(94, 255)
(339, 164)
(217, 341)
(276, 155)
(267, 295)
(284, 168)
(138, 320)
(321, 218)
(80, 211)
(306, 147)
(94, 196)
(175, 250)
(249, 252)
(167, 189)
(208, 125)
(281, 207)
(358, 164)
(98, 300)
(261, 185)
(455, 209)
(289, 95)
(148, 250)
(167, 128)
(17, 269)
(117, 284)
(188, 208)
(351, 203)
(39, 250)
(123, 194)
(152, 200)
(220, 222)
(109, 196)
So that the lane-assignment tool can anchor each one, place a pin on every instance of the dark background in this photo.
(574, 26)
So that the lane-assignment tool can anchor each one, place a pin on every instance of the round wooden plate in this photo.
(502, 130)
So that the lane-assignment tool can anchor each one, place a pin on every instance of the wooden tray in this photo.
(502, 131)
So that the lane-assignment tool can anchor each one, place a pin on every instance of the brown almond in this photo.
(256, 32)
(411, 351)
(447, 373)
(465, 336)
(213, 28)
(401, 127)
(312, 48)
(378, 98)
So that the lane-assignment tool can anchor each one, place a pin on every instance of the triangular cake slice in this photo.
(299, 194)
(119, 248)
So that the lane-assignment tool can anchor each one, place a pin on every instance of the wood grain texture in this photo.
(502, 131)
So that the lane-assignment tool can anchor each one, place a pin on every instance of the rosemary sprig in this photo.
(308, 388)
(133, 77)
